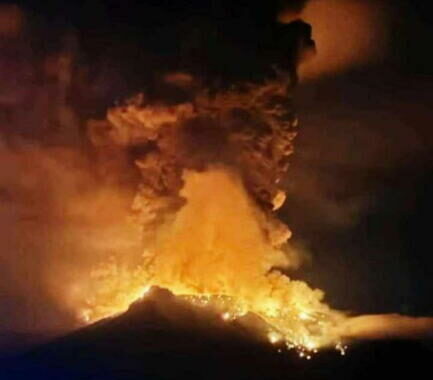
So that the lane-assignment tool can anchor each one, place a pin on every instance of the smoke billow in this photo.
(211, 159)
(56, 220)
(69, 236)
(181, 192)
(58, 215)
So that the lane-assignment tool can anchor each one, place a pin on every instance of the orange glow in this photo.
(347, 33)
(214, 252)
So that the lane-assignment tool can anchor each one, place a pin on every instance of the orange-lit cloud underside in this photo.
(347, 33)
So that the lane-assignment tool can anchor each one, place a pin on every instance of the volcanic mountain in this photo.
(165, 337)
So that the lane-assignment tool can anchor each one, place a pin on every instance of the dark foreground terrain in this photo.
(164, 338)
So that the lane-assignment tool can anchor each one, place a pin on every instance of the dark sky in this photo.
(364, 156)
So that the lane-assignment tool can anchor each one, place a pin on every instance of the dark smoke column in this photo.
(228, 102)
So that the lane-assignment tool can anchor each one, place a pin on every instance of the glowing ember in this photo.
(274, 337)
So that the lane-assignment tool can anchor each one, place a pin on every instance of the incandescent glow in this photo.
(214, 253)
(274, 337)
(210, 169)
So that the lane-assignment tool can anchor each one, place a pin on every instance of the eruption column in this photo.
(211, 158)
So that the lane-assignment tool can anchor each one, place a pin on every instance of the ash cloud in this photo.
(225, 108)
(56, 222)
(36, 231)
(65, 207)
(58, 213)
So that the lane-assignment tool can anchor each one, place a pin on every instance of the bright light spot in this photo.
(304, 316)
(342, 348)
(274, 337)
(85, 316)
(310, 345)
(226, 316)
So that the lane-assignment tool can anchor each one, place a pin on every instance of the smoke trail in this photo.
(387, 326)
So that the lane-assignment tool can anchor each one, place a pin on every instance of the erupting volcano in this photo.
(162, 221)
(210, 172)
(215, 252)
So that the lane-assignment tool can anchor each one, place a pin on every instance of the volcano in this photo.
(164, 337)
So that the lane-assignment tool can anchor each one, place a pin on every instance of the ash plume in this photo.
(205, 148)
(210, 108)
(211, 152)
(251, 130)
(197, 119)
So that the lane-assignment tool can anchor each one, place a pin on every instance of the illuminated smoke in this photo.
(387, 326)
(210, 169)
(71, 222)
(54, 224)
(215, 251)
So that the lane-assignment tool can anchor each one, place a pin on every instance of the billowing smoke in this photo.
(54, 223)
(251, 129)
(192, 169)
(54, 217)
(64, 226)
(211, 159)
